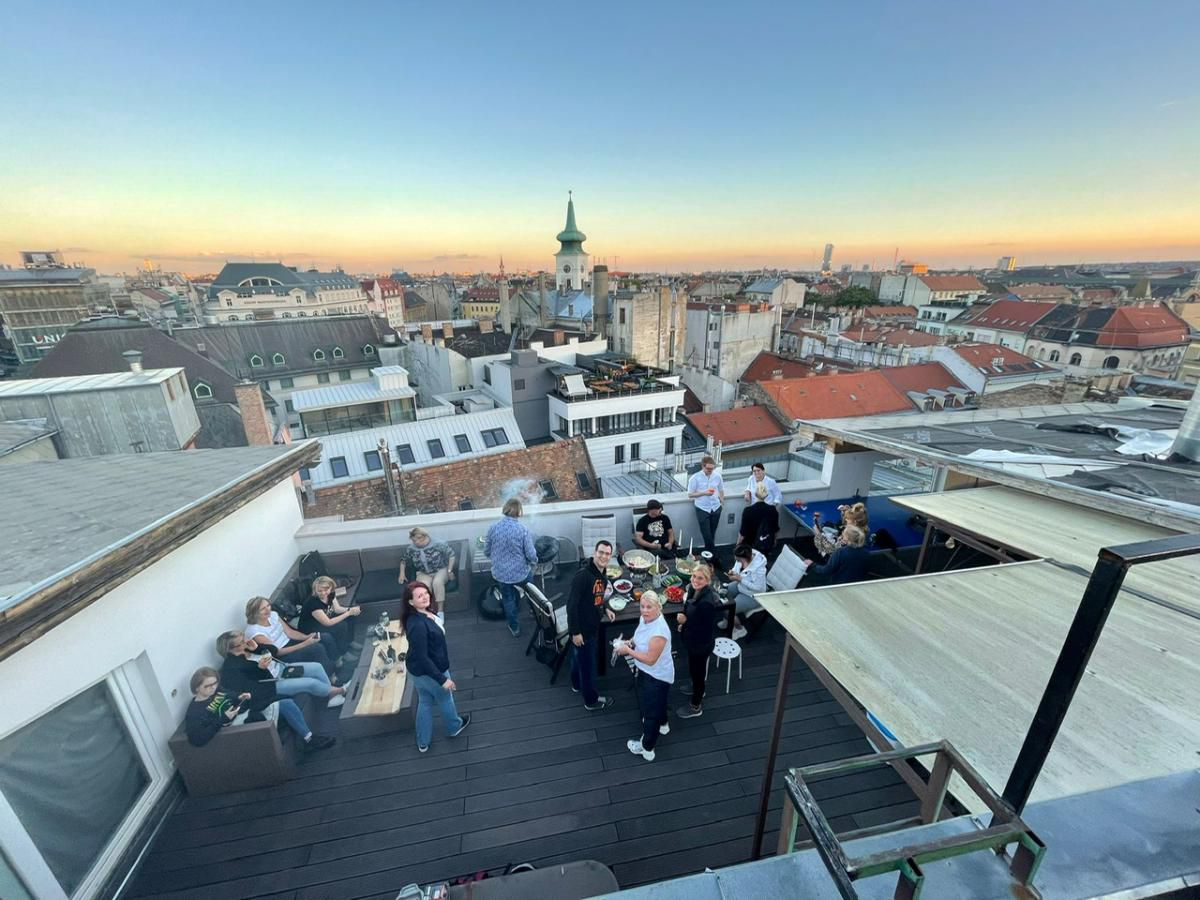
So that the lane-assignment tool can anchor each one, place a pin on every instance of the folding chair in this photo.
(594, 529)
(551, 631)
(787, 570)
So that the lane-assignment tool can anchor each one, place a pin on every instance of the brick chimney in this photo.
(485, 326)
(560, 338)
(427, 332)
(448, 330)
(255, 421)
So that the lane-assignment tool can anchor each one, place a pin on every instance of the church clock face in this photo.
(566, 267)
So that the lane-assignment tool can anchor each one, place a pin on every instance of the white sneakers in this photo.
(738, 632)
(635, 747)
(664, 728)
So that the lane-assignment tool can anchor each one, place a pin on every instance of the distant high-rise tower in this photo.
(827, 261)
(571, 259)
(1006, 263)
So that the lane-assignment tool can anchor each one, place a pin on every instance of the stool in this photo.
(728, 650)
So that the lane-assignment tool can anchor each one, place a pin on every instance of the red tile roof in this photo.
(1142, 326)
(995, 359)
(1008, 315)
(836, 396)
(964, 284)
(737, 426)
(766, 364)
(920, 378)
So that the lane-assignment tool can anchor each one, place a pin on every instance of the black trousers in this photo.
(698, 669)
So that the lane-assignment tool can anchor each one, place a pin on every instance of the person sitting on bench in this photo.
(653, 532)
(212, 709)
(747, 578)
(848, 562)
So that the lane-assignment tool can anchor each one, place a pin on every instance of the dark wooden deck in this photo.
(535, 778)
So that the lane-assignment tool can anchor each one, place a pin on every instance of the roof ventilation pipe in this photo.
(1187, 441)
(600, 300)
(134, 359)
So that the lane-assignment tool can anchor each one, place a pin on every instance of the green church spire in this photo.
(571, 237)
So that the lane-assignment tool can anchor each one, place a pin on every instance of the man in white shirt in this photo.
(707, 491)
(762, 487)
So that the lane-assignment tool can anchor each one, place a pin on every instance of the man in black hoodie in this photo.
(585, 605)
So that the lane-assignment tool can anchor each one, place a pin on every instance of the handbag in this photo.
(293, 672)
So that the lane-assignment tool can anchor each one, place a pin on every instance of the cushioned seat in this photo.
(787, 570)
(378, 586)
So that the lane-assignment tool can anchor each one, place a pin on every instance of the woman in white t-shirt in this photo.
(263, 624)
(650, 651)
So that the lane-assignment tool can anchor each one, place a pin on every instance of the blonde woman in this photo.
(650, 650)
(429, 562)
(698, 625)
(323, 614)
(848, 562)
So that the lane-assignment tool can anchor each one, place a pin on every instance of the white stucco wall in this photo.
(171, 612)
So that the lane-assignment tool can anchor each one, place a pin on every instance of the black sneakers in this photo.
(320, 742)
(466, 720)
(601, 703)
(689, 712)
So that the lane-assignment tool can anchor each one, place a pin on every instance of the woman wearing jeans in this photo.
(650, 651)
(428, 664)
(247, 661)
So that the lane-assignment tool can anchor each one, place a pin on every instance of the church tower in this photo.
(571, 259)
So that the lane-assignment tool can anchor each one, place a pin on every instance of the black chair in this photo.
(550, 637)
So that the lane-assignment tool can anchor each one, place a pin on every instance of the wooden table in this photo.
(376, 706)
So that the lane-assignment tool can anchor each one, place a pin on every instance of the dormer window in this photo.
(202, 391)
(338, 353)
(277, 359)
(256, 361)
(369, 350)
(319, 354)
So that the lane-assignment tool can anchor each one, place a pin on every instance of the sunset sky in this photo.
(438, 137)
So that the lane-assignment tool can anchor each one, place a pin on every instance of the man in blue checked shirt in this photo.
(509, 545)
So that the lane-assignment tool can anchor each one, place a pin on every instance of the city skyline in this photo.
(692, 139)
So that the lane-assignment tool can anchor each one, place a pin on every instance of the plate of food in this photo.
(623, 586)
(613, 570)
(685, 566)
(674, 594)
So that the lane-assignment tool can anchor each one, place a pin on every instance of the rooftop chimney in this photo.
(255, 421)
(486, 326)
(1187, 441)
(134, 358)
(427, 332)
(448, 330)
(560, 338)
(600, 300)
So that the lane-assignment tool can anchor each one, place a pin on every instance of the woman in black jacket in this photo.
(698, 625)
(428, 665)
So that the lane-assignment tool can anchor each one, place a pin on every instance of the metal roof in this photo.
(347, 395)
(353, 445)
(15, 435)
(46, 276)
(965, 655)
(80, 383)
(84, 509)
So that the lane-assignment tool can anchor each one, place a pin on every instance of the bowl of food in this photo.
(623, 586)
(685, 566)
(674, 594)
(638, 560)
(617, 603)
(613, 570)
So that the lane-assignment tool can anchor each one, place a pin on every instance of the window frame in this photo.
(436, 449)
(403, 450)
(370, 456)
(583, 481)
(618, 454)
(333, 466)
(318, 355)
(322, 378)
(460, 440)
(490, 440)
(199, 387)
(287, 382)
(339, 353)
(548, 492)
(278, 359)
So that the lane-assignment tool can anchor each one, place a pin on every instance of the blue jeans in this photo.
(709, 522)
(317, 653)
(511, 600)
(314, 681)
(583, 670)
(430, 693)
(743, 599)
(652, 695)
(293, 716)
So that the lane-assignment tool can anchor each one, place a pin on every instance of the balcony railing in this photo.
(611, 391)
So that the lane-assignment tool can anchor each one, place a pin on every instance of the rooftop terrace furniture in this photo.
(594, 529)
(787, 570)
(241, 757)
(551, 634)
